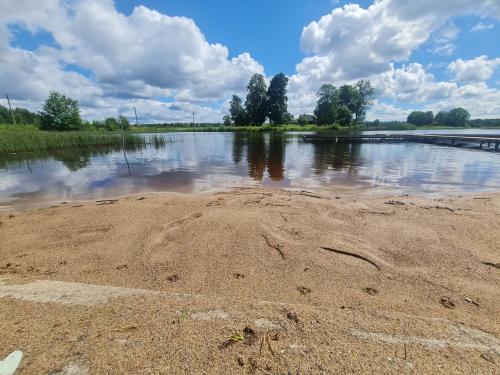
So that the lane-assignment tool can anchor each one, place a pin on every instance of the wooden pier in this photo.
(481, 141)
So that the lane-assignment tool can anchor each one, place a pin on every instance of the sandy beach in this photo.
(254, 281)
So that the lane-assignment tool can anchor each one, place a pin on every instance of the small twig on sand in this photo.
(283, 216)
(277, 247)
(438, 208)
(265, 340)
(269, 344)
(395, 203)
(352, 255)
(496, 265)
(485, 198)
(363, 211)
(445, 208)
(307, 194)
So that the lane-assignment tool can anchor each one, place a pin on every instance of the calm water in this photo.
(197, 162)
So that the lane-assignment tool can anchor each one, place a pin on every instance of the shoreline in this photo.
(256, 279)
(357, 191)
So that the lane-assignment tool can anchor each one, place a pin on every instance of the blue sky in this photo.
(111, 56)
(269, 30)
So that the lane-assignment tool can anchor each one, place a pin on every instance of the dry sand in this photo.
(243, 282)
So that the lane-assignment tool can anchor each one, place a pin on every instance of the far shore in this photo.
(254, 280)
(16, 139)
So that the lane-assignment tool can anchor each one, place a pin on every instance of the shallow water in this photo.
(198, 162)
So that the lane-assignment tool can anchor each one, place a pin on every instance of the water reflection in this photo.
(265, 152)
(194, 162)
(337, 157)
(73, 159)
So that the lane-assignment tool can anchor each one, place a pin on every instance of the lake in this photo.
(201, 162)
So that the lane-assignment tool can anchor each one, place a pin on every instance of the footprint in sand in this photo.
(173, 225)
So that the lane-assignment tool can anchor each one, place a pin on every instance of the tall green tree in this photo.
(238, 113)
(350, 98)
(276, 99)
(255, 103)
(61, 113)
(110, 124)
(5, 117)
(430, 117)
(366, 96)
(227, 120)
(123, 123)
(326, 107)
(418, 118)
(441, 118)
(344, 116)
(458, 117)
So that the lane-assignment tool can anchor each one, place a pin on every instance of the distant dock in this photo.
(481, 141)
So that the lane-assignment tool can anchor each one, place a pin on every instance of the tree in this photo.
(288, 118)
(237, 111)
(255, 103)
(227, 120)
(328, 100)
(366, 95)
(418, 118)
(5, 118)
(123, 123)
(24, 116)
(302, 120)
(344, 116)
(441, 118)
(430, 117)
(276, 99)
(60, 113)
(350, 98)
(110, 123)
(458, 117)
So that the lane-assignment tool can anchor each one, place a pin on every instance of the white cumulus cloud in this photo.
(476, 70)
(142, 55)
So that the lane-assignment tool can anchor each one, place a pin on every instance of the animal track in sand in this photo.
(462, 337)
(174, 225)
(95, 229)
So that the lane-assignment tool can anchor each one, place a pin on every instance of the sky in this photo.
(169, 58)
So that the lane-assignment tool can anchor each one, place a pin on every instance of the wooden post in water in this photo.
(10, 108)
(136, 121)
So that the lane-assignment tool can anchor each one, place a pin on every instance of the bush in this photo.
(60, 113)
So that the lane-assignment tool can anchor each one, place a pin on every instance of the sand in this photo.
(254, 281)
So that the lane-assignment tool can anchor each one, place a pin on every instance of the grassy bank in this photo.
(30, 140)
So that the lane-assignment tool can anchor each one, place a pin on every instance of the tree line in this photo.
(344, 105)
(261, 103)
(456, 117)
(21, 115)
(60, 113)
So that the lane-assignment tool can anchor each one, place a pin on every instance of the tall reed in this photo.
(30, 141)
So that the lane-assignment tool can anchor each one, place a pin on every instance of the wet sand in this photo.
(254, 281)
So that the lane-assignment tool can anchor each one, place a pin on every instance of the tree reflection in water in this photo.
(267, 152)
(264, 151)
(338, 157)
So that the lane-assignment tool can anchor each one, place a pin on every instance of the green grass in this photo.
(13, 140)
